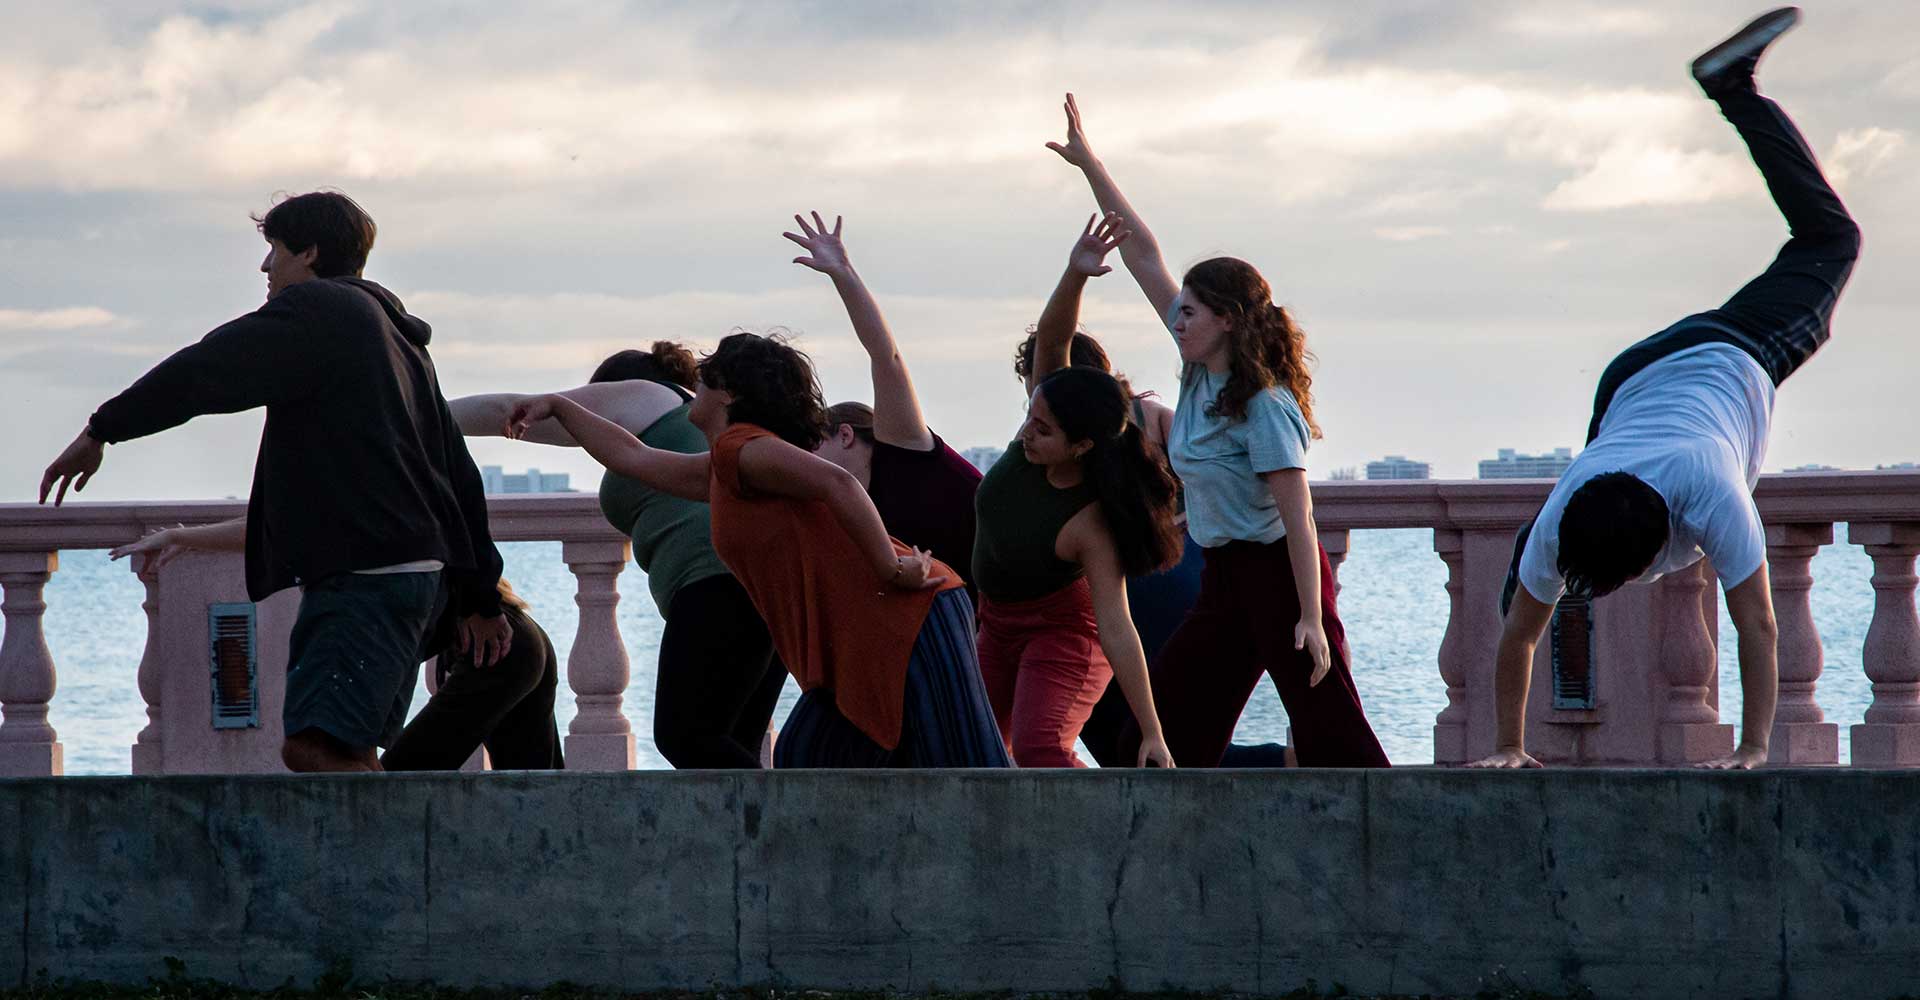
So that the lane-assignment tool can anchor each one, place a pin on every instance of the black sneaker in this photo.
(1729, 65)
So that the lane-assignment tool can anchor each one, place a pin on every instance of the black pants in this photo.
(507, 706)
(718, 678)
(1781, 317)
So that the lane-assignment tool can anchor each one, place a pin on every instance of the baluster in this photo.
(149, 748)
(1334, 542)
(1890, 737)
(1450, 726)
(28, 745)
(1801, 734)
(600, 738)
(1690, 728)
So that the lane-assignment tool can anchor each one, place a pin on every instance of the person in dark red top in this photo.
(922, 488)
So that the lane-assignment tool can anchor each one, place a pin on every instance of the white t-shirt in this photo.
(1693, 426)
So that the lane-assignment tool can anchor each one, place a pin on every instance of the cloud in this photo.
(1625, 177)
(1409, 234)
(1864, 152)
(70, 318)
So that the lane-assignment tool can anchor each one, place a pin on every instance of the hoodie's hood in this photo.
(415, 328)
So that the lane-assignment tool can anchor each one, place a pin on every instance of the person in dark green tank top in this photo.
(1077, 502)
(717, 680)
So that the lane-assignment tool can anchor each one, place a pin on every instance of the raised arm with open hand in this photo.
(1053, 335)
(897, 419)
(1141, 253)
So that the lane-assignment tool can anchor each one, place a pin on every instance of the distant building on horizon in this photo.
(1812, 467)
(983, 456)
(1513, 465)
(494, 480)
(1399, 467)
(1343, 474)
(1898, 465)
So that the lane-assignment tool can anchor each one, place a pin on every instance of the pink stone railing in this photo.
(1656, 646)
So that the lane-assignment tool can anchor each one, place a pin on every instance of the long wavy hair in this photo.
(1266, 348)
(773, 385)
(1129, 477)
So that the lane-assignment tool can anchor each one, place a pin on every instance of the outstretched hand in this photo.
(826, 253)
(1095, 243)
(1075, 149)
(527, 412)
(161, 544)
(75, 466)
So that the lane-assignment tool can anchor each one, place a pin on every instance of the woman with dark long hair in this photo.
(1239, 439)
(1157, 601)
(1078, 502)
(878, 634)
(716, 681)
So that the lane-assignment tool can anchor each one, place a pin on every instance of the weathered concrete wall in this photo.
(1636, 884)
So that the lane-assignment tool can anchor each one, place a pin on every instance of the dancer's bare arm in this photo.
(1525, 623)
(634, 405)
(1295, 503)
(614, 446)
(1750, 605)
(1053, 335)
(771, 465)
(167, 543)
(1142, 252)
(897, 419)
(1086, 540)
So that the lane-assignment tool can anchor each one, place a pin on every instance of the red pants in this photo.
(1241, 626)
(1044, 671)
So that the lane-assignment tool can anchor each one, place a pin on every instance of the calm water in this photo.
(1392, 598)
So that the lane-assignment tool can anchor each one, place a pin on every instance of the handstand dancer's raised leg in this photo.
(1680, 426)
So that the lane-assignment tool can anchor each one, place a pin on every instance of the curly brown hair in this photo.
(1265, 347)
(665, 362)
(773, 385)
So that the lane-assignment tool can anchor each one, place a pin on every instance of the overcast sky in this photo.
(1469, 206)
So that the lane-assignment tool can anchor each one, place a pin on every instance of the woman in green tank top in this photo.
(717, 679)
(1077, 503)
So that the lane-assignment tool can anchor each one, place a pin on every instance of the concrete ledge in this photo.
(1641, 884)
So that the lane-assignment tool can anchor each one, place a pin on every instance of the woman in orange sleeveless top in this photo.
(879, 634)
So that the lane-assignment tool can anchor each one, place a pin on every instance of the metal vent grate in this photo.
(232, 666)
(1573, 685)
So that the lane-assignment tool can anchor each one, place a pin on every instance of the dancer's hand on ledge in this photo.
(1743, 758)
(1075, 150)
(1154, 753)
(1506, 758)
(910, 572)
(1091, 249)
(827, 254)
(527, 412)
(1312, 637)
(164, 543)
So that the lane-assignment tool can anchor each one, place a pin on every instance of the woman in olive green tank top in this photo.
(717, 679)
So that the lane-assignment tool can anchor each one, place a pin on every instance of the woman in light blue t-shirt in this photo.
(1239, 442)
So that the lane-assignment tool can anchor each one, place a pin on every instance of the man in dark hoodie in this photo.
(363, 492)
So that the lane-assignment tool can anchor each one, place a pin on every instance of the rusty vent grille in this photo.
(1573, 686)
(232, 666)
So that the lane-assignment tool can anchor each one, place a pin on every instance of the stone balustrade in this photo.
(1655, 645)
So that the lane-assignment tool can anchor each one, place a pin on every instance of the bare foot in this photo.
(1506, 758)
(1742, 759)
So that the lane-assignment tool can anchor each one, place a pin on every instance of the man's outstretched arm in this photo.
(1750, 605)
(1526, 621)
